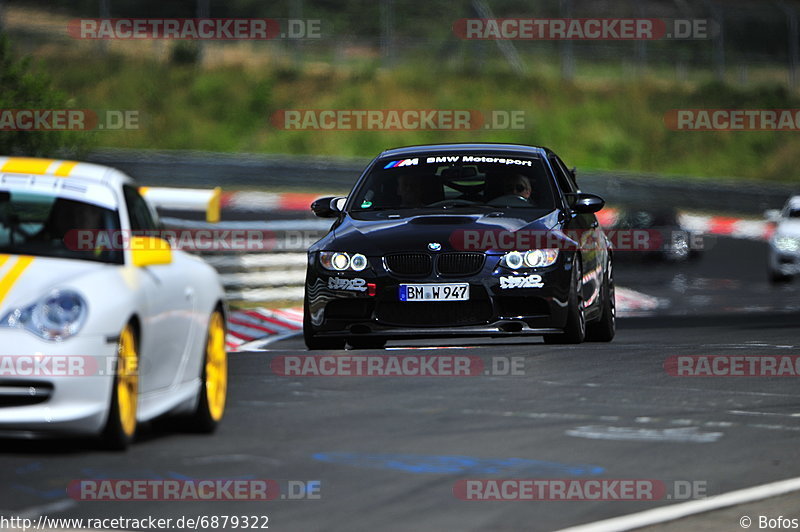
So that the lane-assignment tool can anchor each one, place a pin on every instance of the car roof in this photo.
(466, 146)
(71, 170)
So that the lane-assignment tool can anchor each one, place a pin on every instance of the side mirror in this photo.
(329, 206)
(587, 203)
(772, 215)
(150, 251)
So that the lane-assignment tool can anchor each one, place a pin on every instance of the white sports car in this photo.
(784, 246)
(94, 340)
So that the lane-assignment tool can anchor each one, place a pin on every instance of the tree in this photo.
(22, 87)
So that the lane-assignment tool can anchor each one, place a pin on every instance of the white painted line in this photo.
(259, 345)
(679, 435)
(422, 348)
(678, 511)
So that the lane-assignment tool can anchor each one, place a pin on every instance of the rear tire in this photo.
(604, 329)
(314, 343)
(213, 391)
(575, 329)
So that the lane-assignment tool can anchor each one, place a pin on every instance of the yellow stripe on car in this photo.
(8, 281)
(26, 165)
(65, 168)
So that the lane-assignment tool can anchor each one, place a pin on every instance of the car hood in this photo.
(377, 234)
(788, 228)
(23, 279)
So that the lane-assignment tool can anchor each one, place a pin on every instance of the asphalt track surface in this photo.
(388, 451)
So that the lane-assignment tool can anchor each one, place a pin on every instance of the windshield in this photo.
(456, 181)
(42, 225)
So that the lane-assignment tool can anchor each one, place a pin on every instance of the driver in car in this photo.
(518, 185)
(409, 189)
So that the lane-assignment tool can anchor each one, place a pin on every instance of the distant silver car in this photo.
(784, 246)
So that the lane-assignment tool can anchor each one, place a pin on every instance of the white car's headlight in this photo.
(787, 244)
(535, 258)
(55, 317)
(339, 261)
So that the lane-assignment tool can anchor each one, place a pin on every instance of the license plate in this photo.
(434, 292)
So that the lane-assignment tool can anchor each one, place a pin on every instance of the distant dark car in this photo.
(460, 240)
(669, 241)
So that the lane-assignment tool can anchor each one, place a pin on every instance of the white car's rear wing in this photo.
(186, 199)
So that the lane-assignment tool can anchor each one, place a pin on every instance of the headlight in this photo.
(535, 258)
(55, 317)
(340, 261)
(514, 260)
(358, 262)
(538, 258)
(787, 244)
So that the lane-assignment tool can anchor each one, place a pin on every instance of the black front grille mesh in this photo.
(409, 263)
(460, 263)
(450, 264)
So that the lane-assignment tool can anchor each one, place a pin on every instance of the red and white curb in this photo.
(259, 324)
(245, 326)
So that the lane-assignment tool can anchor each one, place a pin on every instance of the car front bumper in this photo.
(68, 393)
(502, 302)
(784, 263)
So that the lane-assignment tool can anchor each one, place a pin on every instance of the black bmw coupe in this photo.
(460, 240)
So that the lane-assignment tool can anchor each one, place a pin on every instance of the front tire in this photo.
(575, 329)
(312, 342)
(120, 427)
(214, 380)
(604, 329)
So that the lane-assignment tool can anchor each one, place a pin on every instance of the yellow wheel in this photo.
(121, 425)
(214, 382)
